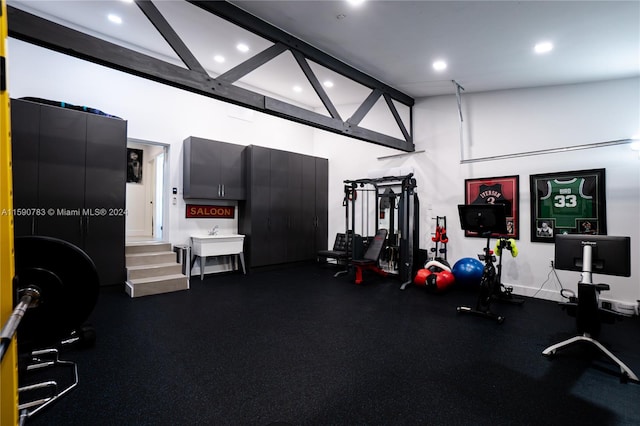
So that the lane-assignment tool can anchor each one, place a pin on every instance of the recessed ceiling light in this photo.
(127, 1)
(297, 89)
(114, 18)
(328, 83)
(355, 3)
(543, 47)
(219, 58)
(439, 65)
(242, 47)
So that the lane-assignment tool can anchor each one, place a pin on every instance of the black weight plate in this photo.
(68, 283)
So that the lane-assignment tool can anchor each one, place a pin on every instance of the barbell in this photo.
(56, 287)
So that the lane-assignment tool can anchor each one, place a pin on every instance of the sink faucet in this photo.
(214, 230)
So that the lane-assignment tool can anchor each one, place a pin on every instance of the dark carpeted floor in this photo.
(298, 346)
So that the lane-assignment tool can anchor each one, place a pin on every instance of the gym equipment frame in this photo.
(402, 241)
(8, 370)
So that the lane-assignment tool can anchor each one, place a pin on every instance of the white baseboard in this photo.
(620, 306)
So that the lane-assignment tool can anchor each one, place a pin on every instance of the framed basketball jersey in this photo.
(567, 203)
(497, 190)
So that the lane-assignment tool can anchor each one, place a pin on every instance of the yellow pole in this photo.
(9, 368)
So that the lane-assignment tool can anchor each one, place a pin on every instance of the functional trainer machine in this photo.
(604, 254)
(393, 204)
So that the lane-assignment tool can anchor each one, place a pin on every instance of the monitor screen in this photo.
(609, 255)
(483, 218)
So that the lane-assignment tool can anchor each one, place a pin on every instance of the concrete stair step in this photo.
(156, 285)
(138, 259)
(146, 271)
(146, 247)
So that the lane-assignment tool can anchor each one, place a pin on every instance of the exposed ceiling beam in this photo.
(265, 30)
(317, 87)
(164, 28)
(39, 31)
(239, 71)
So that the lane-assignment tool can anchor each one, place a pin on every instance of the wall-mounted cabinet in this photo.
(285, 216)
(213, 170)
(69, 170)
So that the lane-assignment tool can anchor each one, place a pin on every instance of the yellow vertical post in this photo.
(9, 367)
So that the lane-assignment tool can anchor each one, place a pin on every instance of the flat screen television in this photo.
(483, 218)
(610, 255)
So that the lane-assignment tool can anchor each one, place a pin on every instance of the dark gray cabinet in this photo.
(25, 134)
(213, 170)
(317, 170)
(285, 214)
(70, 168)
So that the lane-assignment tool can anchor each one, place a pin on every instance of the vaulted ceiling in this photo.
(486, 45)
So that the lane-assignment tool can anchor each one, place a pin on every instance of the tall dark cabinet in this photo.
(284, 216)
(70, 166)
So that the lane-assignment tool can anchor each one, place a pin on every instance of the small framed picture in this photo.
(134, 165)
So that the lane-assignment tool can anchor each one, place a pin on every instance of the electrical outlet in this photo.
(551, 263)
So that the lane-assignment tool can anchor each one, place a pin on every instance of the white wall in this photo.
(496, 123)
(514, 121)
(155, 112)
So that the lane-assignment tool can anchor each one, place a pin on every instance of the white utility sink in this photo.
(204, 246)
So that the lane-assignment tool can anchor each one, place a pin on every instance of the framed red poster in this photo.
(496, 190)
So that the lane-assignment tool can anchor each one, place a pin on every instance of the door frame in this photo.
(165, 183)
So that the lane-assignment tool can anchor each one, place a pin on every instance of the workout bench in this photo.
(371, 256)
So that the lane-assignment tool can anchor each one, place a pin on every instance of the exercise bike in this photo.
(487, 220)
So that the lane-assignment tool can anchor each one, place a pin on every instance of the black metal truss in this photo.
(39, 31)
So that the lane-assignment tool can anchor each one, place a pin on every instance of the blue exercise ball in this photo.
(468, 271)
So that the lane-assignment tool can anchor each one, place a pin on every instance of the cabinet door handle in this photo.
(33, 225)
(219, 192)
(222, 189)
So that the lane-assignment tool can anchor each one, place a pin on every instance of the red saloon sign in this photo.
(195, 211)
